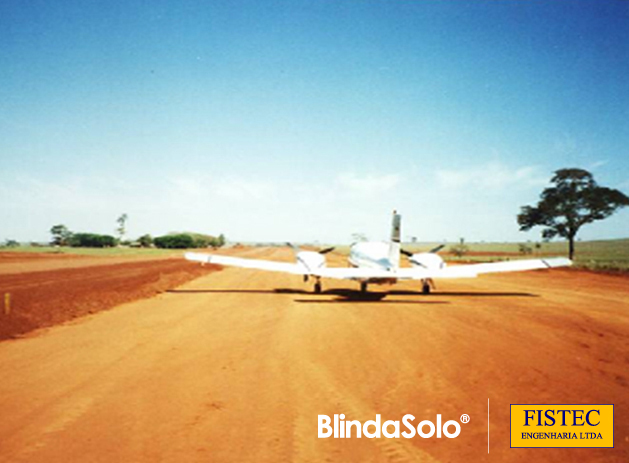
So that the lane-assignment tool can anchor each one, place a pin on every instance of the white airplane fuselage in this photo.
(373, 255)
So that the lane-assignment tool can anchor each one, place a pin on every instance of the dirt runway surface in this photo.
(235, 366)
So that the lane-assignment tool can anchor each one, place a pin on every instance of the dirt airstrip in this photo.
(235, 366)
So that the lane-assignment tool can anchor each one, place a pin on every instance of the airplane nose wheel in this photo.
(317, 287)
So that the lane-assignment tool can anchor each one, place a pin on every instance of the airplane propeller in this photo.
(437, 249)
(432, 251)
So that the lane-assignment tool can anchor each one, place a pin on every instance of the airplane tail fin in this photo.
(394, 245)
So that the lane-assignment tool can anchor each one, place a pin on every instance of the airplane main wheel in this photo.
(317, 287)
(363, 286)
(425, 288)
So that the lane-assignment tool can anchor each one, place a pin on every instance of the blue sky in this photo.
(306, 120)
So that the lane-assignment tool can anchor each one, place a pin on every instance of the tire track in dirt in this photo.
(314, 385)
(396, 450)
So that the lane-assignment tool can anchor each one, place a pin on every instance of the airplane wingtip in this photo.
(557, 262)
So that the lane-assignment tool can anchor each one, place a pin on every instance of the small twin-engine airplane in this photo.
(378, 262)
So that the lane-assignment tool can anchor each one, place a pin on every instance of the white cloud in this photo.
(493, 176)
(189, 186)
(196, 189)
(70, 194)
(597, 164)
(244, 189)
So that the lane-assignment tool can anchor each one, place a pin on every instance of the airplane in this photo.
(378, 262)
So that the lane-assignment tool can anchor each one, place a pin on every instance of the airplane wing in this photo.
(259, 264)
(473, 270)
(418, 273)
(519, 265)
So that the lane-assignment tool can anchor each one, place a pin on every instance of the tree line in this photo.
(62, 236)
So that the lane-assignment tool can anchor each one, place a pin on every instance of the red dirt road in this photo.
(21, 262)
(228, 369)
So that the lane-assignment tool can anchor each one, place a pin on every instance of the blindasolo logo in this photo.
(543, 425)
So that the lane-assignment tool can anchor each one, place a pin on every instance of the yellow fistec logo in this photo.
(562, 425)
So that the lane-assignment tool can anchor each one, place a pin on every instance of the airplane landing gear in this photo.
(317, 287)
(425, 287)
(363, 286)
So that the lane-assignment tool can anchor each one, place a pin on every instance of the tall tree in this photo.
(572, 201)
(60, 235)
(146, 241)
(122, 225)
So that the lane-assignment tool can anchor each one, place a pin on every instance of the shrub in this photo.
(188, 240)
(91, 240)
(525, 249)
(179, 241)
(460, 249)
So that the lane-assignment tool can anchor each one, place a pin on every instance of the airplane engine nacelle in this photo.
(428, 260)
(312, 260)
